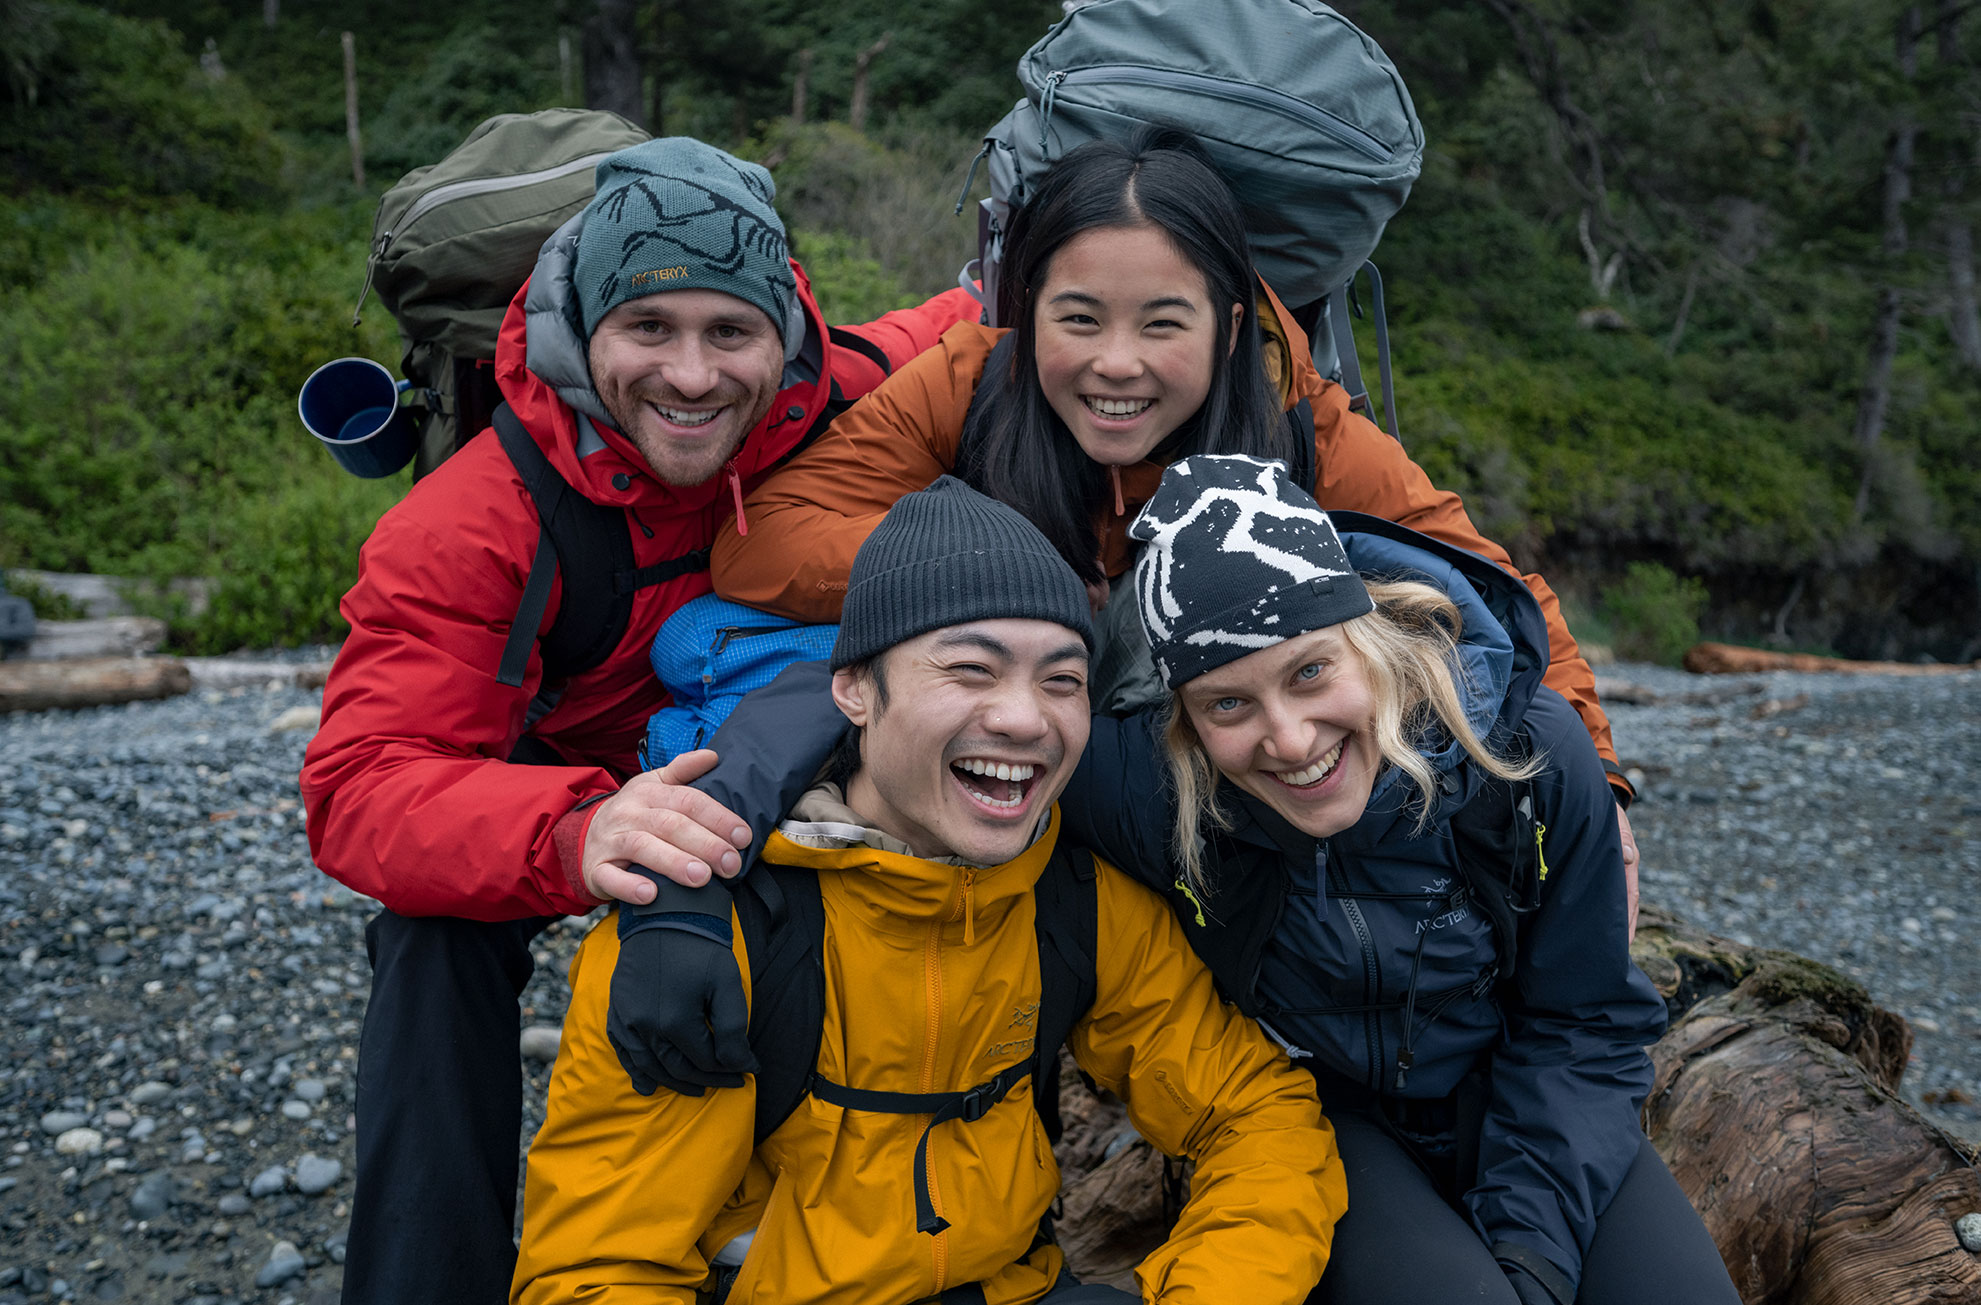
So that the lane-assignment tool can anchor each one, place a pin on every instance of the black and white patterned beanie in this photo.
(1237, 558)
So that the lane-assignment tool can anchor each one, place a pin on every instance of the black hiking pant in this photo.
(440, 1111)
(1403, 1242)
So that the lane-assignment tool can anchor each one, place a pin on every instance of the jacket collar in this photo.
(897, 890)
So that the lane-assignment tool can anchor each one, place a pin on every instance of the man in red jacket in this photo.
(665, 355)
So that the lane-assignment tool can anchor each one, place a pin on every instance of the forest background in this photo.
(1684, 303)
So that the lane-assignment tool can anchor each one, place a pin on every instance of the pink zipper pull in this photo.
(1120, 507)
(736, 491)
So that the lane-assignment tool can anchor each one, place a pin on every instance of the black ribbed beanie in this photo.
(946, 555)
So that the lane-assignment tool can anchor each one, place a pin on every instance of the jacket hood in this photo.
(543, 366)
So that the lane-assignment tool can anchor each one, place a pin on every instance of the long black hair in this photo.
(1015, 448)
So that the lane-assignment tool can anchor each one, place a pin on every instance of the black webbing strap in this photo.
(626, 582)
(860, 344)
(548, 491)
(941, 1107)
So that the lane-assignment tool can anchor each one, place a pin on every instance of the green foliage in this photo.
(150, 419)
(159, 303)
(284, 559)
(471, 75)
(897, 204)
(849, 285)
(1653, 615)
(114, 105)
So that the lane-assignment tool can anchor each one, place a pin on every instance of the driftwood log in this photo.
(34, 685)
(111, 636)
(1726, 659)
(1774, 1102)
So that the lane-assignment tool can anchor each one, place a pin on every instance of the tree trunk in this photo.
(1875, 397)
(800, 85)
(270, 11)
(612, 61)
(857, 114)
(1774, 1104)
(351, 133)
(1963, 317)
(89, 682)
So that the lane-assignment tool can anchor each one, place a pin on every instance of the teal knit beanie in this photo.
(676, 214)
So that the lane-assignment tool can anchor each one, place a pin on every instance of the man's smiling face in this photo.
(686, 375)
(973, 738)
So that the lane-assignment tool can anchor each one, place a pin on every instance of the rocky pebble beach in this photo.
(183, 990)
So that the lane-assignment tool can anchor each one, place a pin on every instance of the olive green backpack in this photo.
(453, 242)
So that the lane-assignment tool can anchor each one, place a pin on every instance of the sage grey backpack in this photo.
(1305, 116)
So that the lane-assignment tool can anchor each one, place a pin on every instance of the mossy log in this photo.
(1774, 1102)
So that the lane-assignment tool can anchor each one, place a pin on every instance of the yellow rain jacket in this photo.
(931, 985)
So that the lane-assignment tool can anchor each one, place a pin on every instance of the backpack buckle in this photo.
(976, 1103)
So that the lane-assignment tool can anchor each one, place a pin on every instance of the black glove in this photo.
(1534, 1279)
(678, 1018)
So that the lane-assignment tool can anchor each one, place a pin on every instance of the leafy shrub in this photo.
(896, 202)
(849, 284)
(284, 560)
(113, 104)
(470, 76)
(1652, 614)
(150, 420)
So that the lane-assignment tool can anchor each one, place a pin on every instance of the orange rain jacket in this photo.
(807, 521)
(931, 985)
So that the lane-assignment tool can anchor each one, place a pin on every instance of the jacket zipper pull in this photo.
(1120, 507)
(736, 492)
(969, 908)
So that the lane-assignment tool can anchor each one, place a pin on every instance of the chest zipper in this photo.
(1372, 976)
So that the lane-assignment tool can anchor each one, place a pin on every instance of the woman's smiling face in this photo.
(1290, 724)
(1125, 338)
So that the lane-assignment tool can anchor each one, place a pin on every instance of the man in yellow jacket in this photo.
(962, 658)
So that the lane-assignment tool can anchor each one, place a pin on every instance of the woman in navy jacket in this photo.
(1397, 851)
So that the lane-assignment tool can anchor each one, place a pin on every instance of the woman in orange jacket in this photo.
(1142, 336)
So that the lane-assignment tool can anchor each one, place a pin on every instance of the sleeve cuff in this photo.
(1620, 786)
(568, 837)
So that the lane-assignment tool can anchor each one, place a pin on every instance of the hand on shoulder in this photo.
(659, 823)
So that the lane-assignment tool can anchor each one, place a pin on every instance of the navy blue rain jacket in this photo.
(1324, 940)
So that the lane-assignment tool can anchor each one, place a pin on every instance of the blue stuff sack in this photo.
(708, 655)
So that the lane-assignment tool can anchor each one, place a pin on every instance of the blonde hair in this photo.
(1409, 651)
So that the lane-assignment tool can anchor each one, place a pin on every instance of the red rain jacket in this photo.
(408, 796)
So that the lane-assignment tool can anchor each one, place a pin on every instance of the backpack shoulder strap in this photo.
(1067, 919)
(860, 344)
(1497, 835)
(1306, 468)
(783, 924)
(592, 546)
